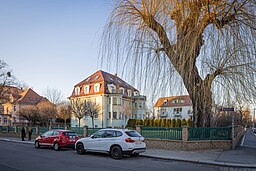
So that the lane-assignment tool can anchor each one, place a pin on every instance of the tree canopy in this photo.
(207, 47)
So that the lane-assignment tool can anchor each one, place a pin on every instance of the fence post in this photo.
(184, 133)
(15, 129)
(37, 132)
(138, 128)
(85, 131)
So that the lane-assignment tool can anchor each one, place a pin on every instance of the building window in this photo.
(95, 126)
(5, 120)
(177, 110)
(120, 101)
(129, 93)
(88, 79)
(121, 91)
(77, 90)
(109, 100)
(14, 108)
(0, 120)
(96, 77)
(120, 115)
(165, 102)
(86, 89)
(30, 98)
(114, 101)
(109, 115)
(140, 105)
(96, 87)
(114, 115)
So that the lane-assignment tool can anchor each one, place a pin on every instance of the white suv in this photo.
(116, 142)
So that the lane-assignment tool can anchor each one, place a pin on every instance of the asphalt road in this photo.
(17, 157)
(249, 139)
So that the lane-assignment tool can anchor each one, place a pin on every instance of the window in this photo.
(88, 79)
(121, 91)
(5, 120)
(109, 100)
(114, 101)
(129, 93)
(109, 115)
(108, 134)
(114, 115)
(118, 134)
(96, 87)
(30, 98)
(86, 89)
(120, 115)
(133, 134)
(56, 133)
(70, 133)
(165, 102)
(111, 79)
(37, 99)
(96, 126)
(95, 78)
(140, 105)
(14, 108)
(77, 90)
(0, 120)
(120, 101)
(49, 133)
(98, 134)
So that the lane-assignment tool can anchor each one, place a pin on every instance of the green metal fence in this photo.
(162, 133)
(209, 133)
(92, 130)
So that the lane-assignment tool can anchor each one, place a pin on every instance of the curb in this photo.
(16, 141)
(209, 162)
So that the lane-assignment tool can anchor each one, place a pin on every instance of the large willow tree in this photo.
(208, 44)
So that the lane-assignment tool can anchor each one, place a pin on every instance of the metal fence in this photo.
(162, 133)
(210, 133)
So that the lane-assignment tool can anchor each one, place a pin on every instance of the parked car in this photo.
(57, 139)
(116, 142)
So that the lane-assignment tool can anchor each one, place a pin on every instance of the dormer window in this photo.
(88, 79)
(96, 77)
(112, 88)
(121, 91)
(86, 89)
(96, 87)
(77, 90)
(129, 92)
(165, 102)
(111, 79)
(136, 93)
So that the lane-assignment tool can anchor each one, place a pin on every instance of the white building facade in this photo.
(174, 107)
(118, 100)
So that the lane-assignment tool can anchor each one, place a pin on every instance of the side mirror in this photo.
(92, 136)
(40, 135)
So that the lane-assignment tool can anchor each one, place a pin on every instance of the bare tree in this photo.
(208, 45)
(64, 111)
(6, 79)
(30, 113)
(127, 111)
(54, 95)
(92, 110)
(78, 107)
(47, 111)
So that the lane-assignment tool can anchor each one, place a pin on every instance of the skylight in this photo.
(111, 79)
(96, 77)
(88, 79)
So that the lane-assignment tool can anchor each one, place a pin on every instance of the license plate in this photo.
(138, 142)
(72, 138)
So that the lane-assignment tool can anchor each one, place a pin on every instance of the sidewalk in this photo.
(242, 157)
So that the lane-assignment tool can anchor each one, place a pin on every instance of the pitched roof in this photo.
(29, 96)
(103, 78)
(174, 101)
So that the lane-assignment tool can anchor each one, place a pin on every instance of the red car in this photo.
(57, 139)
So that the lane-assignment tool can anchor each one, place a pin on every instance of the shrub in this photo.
(183, 122)
(168, 123)
(189, 122)
(151, 122)
(173, 122)
(131, 123)
(178, 123)
(163, 122)
(156, 123)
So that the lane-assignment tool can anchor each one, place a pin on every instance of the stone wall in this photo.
(177, 145)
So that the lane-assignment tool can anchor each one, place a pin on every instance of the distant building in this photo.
(118, 100)
(16, 99)
(173, 107)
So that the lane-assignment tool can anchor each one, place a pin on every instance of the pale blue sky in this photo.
(52, 43)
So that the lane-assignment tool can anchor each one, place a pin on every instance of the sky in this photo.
(52, 43)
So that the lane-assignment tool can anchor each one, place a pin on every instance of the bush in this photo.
(183, 122)
(151, 122)
(156, 122)
(163, 122)
(178, 123)
(168, 123)
(173, 122)
(189, 122)
(131, 123)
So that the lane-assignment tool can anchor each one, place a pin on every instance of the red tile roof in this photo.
(103, 78)
(29, 97)
(169, 101)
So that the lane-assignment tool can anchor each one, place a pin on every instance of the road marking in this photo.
(242, 142)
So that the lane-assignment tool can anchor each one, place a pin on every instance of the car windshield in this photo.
(132, 133)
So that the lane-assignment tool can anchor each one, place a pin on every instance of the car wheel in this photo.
(37, 144)
(116, 152)
(80, 148)
(56, 146)
(135, 154)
